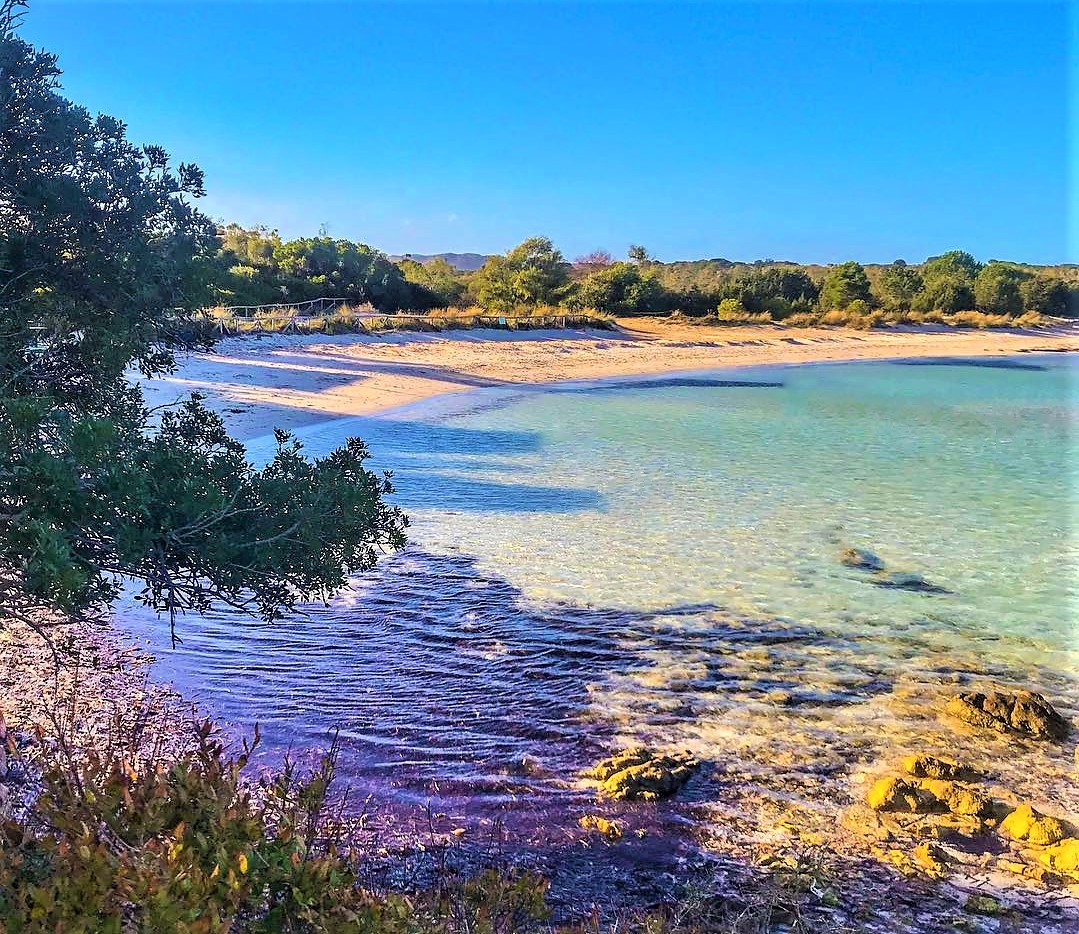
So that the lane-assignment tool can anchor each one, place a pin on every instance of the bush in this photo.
(187, 846)
(731, 309)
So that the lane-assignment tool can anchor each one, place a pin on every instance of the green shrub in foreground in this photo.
(185, 846)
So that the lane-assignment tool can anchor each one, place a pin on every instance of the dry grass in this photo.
(865, 320)
(366, 319)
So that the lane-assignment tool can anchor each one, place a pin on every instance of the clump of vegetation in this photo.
(860, 317)
(127, 840)
(256, 267)
(366, 320)
(121, 843)
(953, 289)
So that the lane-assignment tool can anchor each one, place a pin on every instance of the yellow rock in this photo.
(636, 755)
(962, 824)
(930, 859)
(1024, 823)
(641, 775)
(1063, 856)
(924, 766)
(896, 794)
(608, 828)
(957, 799)
(865, 823)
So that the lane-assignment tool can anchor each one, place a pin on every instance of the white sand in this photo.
(262, 382)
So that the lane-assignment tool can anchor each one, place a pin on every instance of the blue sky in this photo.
(815, 132)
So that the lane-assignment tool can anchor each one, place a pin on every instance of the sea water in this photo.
(658, 561)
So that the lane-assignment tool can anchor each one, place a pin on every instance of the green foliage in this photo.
(899, 284)
(942, 285)
(97, 237)
(946, 294)
(254, 248)
(778, 291)
(102, 266)
(186, 846)
(436, 277)
(997, 288)
(532, 273)
(1048, 296)
(255, 267)
(314, 267)
(948, 283)
(95, 495)
(844, 284)
(955, 265)
(620, 289)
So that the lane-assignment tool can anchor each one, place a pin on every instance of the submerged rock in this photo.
(925, 766)
(925, 859)
(861, 559)
(905, 580)
(639, 774)
(984, 905)
(609, 828)
(1025, 823)
(1024, 712)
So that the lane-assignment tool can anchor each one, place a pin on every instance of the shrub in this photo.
(187, 846)
(731, 309)
(979, 319)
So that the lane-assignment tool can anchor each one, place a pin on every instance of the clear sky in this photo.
(812, 131)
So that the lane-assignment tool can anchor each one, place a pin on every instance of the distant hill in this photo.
(463, 262)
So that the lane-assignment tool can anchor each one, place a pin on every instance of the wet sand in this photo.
(259, 383)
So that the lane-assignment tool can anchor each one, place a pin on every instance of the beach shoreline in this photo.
(293, 382)
(259, 383)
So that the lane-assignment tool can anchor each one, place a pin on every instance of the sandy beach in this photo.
(259, 383)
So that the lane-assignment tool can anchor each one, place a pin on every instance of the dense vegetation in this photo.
(255, 266)
(103, 264)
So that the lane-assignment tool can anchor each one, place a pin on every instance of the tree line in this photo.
(257, 267)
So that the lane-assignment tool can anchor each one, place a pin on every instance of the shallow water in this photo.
(595, 564)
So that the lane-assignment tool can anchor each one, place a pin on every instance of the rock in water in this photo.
(1024, 712)
(930, 859)
(639, 774)
(861, 559)
(904, 580)
(609, 828)
(897, 794)
(1024, 823)
(957, 799)
(924, 766)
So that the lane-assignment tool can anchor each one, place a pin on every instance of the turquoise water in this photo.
(598, 564)
(743, 497)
